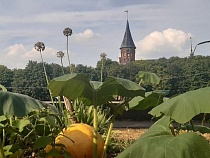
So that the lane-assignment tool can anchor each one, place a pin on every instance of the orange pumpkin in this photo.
(80, 144)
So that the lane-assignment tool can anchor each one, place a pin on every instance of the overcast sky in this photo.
(160, 28)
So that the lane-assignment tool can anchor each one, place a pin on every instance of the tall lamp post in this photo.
(68, 32)
(193, 50)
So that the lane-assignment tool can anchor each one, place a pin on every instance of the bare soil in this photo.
(133, 134)
(127, 133)
(130, 134)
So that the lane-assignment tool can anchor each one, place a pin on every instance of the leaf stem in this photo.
(45, 73)
(172, 129)
(109, 133)
(192, 124)
(204, 118)
(1, 150)
(95, 139)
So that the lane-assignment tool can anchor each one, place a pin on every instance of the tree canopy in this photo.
(178, 75)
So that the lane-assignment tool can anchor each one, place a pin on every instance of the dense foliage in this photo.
(178, 75)
(173, 71)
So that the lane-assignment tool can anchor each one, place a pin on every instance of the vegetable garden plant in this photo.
(94, 94)
(90, 92)
(162, 140)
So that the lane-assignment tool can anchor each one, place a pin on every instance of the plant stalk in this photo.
(204, 118)
(62, 65)
(67, 102)
(172, 129)
(70, 109)
(191, 123)
(95, 132)
(1, 150)
(3, 137)
(45, 72)
(67, 49)
(109, 133)
(102, 67)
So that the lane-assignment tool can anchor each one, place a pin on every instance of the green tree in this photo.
(88, 70)
(6, 77)
(31, 81)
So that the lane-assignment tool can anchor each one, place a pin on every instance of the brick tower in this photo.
(127, 47)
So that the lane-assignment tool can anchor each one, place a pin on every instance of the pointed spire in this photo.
(127, 40)
(127, 13)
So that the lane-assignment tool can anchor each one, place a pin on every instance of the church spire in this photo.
(127, 40)
(127, 47)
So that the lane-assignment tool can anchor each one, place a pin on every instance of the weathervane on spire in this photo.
(127, 13)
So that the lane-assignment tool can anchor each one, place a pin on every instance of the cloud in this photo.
(34, 54)
(168, 43)
(12, 56)
(86, 35)
(103, 26)
(18, 55)
(15, 50)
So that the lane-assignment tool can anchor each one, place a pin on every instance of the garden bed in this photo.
(127, 133)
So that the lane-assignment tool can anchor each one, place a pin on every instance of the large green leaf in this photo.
(184, 107)
(200, 128)
(121, 87)
(147, 77)
(74, 86)
(152, 99)
(15, 104)
(158, 142)
(21, 123)
(42, 142)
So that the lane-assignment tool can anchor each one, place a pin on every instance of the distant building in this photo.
(127, 47)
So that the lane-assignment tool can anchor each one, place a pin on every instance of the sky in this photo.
(159, 29)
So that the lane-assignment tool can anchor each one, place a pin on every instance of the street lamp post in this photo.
(68, 32)
(193, 50)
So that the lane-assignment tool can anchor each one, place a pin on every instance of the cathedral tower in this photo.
(127, 47)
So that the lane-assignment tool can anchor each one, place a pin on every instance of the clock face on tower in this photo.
(128, 50)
